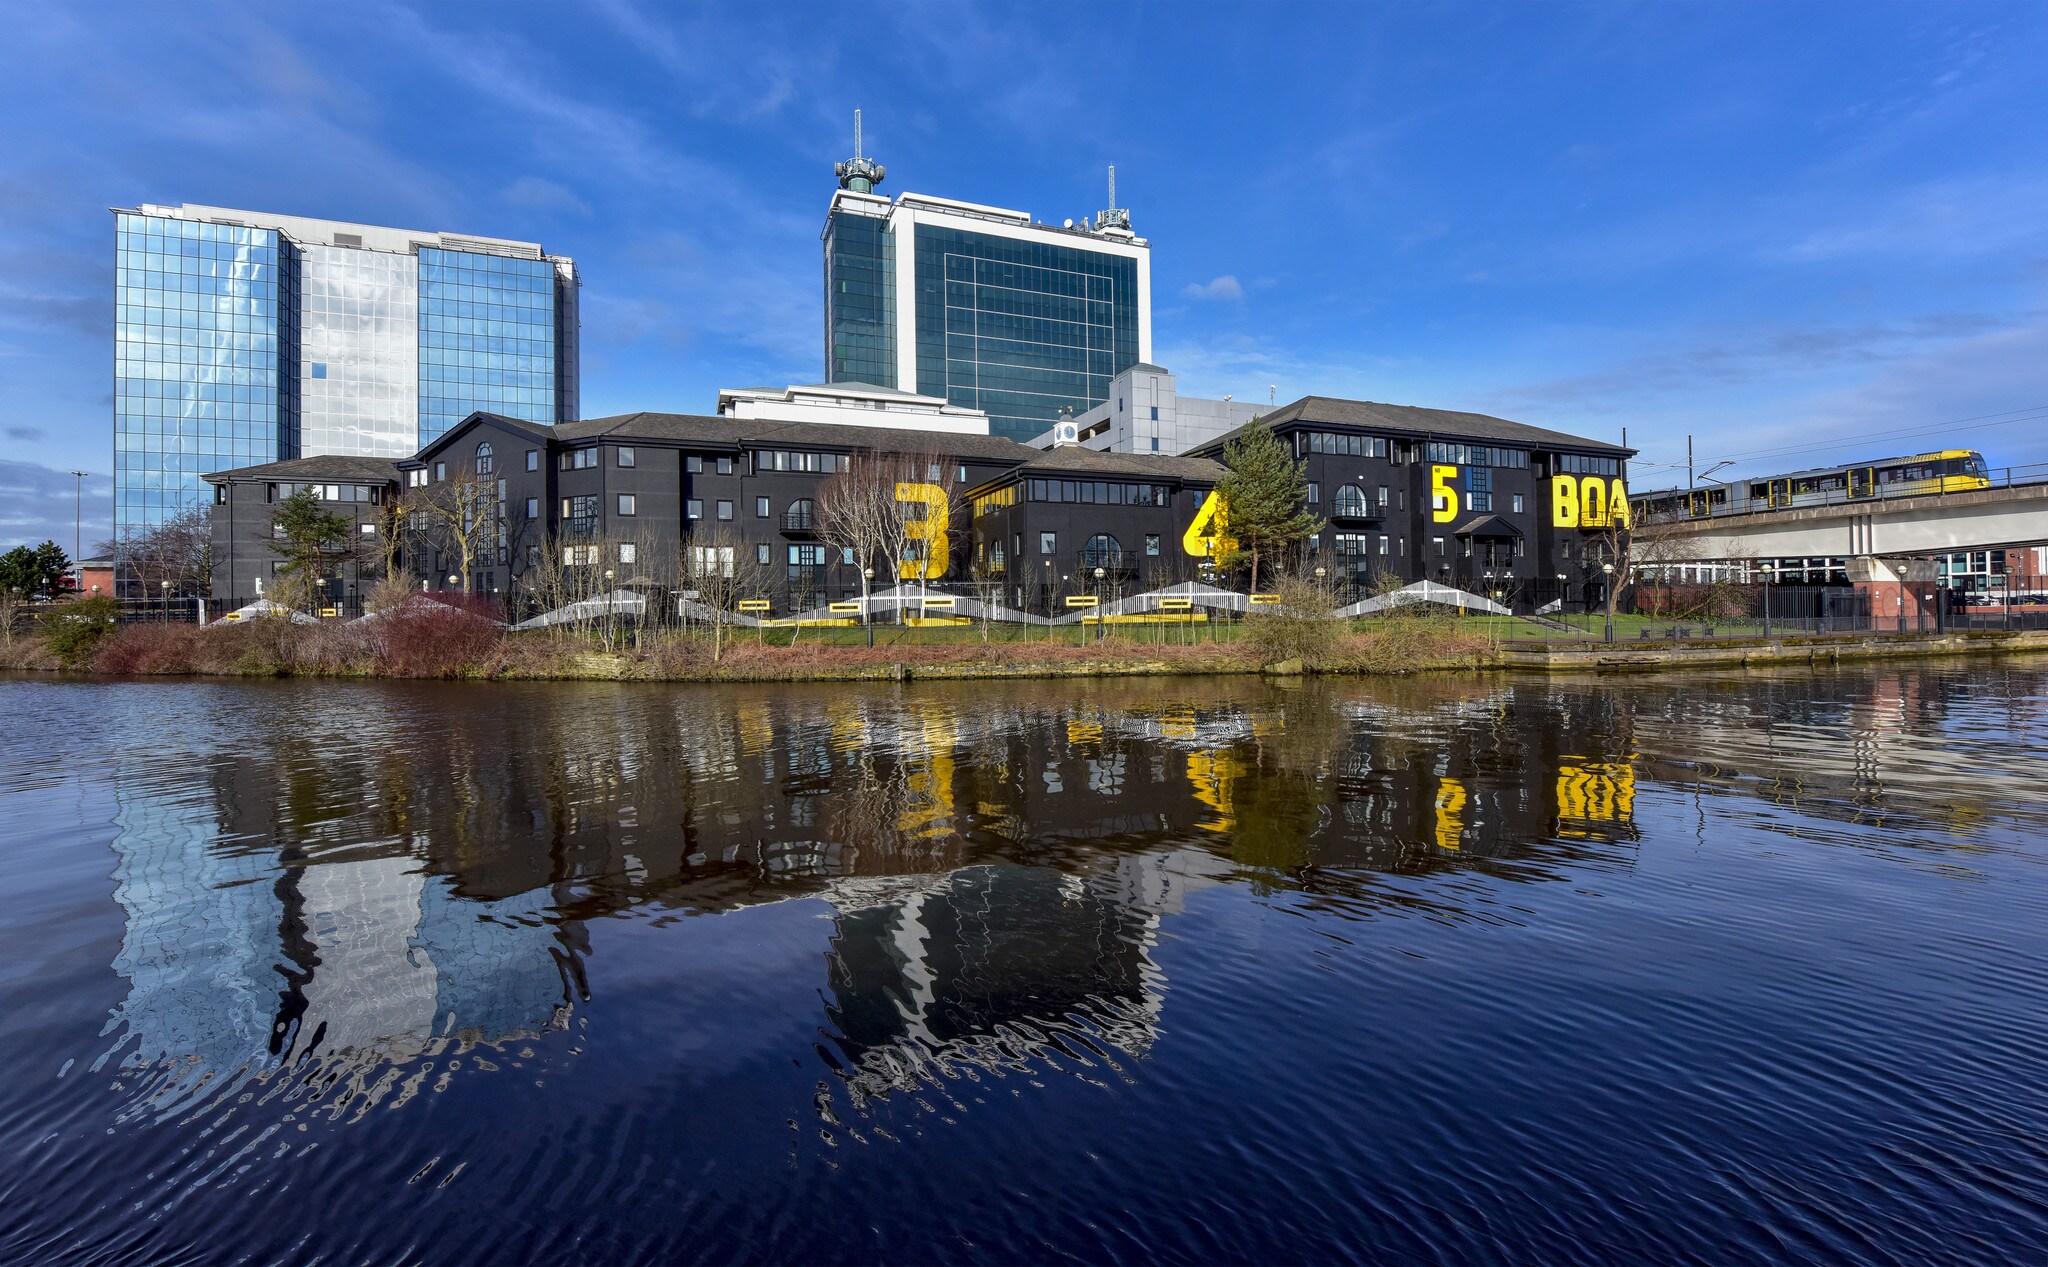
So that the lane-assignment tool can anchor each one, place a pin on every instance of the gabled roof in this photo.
(355, 470)
(533, 429)
(1487, 526)
(1415, 420)
(1074, 459)
(741, 432)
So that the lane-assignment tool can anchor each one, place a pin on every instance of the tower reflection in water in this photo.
(321, 915)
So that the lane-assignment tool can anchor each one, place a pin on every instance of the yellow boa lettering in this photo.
(1592, 502)
(1564, 501)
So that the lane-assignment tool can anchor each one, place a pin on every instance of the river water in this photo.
(1705, 968)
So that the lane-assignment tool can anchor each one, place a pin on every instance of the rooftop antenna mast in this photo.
(860, 173)
(1113, 216)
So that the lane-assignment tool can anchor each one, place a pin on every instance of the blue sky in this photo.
(1798, 232)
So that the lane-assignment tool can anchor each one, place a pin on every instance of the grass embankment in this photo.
(449, 643)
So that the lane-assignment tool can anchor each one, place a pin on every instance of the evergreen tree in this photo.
(1265, 500)
(34, 571)
(312, 538)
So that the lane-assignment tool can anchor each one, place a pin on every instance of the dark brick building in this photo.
(246, 564)
(1481, 503)
(1044, 527)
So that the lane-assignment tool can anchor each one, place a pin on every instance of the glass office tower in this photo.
(1022, 330)
(243, 338)
(204, 324)
(1024, 321)
(860, 300)
(358, 338)
(487, 338)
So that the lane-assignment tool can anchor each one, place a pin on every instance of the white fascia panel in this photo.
(1145, 306)
(903, 228)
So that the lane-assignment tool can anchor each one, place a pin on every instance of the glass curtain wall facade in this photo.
(358, 352)
(860, 300)
(1021, 329)
(486, 338)
(204, 338)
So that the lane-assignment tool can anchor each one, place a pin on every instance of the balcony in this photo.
(800, 521)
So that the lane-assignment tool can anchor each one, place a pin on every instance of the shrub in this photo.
(429, 639)
(74, 630)
(1301, 626)
(150, 648)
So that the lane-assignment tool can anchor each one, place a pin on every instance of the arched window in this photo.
(1350, 502)
(802, 516)
(483, 458)
(1102, 551)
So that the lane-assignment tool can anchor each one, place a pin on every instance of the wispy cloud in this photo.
(41, 503)
(536, 194)
(1224, 287)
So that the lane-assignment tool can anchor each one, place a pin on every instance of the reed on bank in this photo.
(439, 641)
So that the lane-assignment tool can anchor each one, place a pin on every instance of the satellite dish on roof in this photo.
(1067, 223)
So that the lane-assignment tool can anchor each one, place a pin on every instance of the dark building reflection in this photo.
(375, 875)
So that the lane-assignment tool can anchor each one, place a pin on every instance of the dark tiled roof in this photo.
(1449, 424)
(521, 425)
(325, 467)
(1487, 526)
(1085, 461)
(740, 432)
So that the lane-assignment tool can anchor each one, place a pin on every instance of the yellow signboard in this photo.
(844, 609)
(1265, 598)
(939, 602)
(755, 605)
(1081, 600)
(1176, 604)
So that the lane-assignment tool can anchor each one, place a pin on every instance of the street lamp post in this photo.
(1099, 615)
(77, 530)
(1048, 602)
(1767, 599)
(1607, 569)
(610, 623)
(867, 576)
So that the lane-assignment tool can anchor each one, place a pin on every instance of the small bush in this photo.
(150, 648)
(428, 639)
(1301, 626)
(74, 631)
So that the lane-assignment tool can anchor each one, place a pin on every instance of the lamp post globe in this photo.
(1607, 569)
(867, 576)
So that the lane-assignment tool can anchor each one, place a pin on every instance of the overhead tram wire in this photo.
(2030, 413)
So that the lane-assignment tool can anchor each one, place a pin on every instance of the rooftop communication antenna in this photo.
(860, 173)
(1113, 216)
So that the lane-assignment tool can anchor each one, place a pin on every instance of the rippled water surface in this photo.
(1679, 969)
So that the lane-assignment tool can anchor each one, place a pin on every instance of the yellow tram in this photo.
(1948, 471)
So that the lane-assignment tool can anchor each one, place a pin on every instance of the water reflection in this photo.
(337, 898)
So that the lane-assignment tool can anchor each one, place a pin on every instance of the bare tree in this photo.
(459, 515)
(178, 549)
(722, 572)
(856, 507)
(917, 531)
